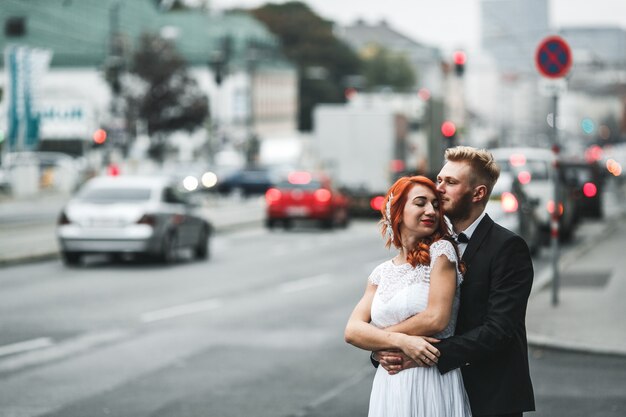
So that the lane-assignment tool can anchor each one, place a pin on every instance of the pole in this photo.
(556, 209)
(251, 140)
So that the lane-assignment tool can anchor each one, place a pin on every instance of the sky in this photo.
(448, 24)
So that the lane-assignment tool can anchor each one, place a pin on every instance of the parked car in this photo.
(535, 168)
(247, 182)
(510, 206)
(140, 215)
(584, 182)
(304, 195)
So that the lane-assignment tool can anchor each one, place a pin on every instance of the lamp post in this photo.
(114, 66)
(252, 141)
(218, 63)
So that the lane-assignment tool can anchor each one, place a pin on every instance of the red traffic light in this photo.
(448, 129)
(351, 93)
(460, 58)
(100, 136)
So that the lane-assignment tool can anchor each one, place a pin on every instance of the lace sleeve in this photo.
(374, 277)
(445, 248)
(442, 247)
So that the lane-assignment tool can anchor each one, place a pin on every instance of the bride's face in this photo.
(420, 217)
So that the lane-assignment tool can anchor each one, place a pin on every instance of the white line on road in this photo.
(61, 349)
(25, 346)
(305, 283)
(181, 310)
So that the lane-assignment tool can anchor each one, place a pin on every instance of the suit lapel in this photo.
(477, 239)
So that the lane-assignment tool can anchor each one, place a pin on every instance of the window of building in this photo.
(15, 27)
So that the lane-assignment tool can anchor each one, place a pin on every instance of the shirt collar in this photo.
(472, 227)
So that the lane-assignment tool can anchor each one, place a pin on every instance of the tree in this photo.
(163, 95)
(384, 68)
(324, 62)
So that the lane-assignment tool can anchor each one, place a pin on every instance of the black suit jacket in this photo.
(490, 339)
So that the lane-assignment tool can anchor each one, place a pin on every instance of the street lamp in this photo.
(253, 56)
(218, 63)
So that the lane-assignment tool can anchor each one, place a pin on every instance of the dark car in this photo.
(247, 182)
(306, 196)
(584, 182)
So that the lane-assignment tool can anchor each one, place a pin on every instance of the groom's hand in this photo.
(394, 361)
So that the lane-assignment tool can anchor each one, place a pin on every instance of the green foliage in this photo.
(309, 42)
(384, 68)
(171, 100)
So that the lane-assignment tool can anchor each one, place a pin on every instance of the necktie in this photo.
(462, 238)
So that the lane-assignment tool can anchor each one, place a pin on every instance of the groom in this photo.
(490, 340)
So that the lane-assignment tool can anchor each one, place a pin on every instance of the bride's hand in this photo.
(420, 350)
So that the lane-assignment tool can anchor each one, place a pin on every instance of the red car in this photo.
(307, 196)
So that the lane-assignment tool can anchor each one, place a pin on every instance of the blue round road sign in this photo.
(553, 57)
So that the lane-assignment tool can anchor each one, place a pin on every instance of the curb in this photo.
(546, 342)
(39, 257)
(47, 256)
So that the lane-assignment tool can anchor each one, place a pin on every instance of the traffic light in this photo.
(350, 93)
(448, 129)
(99, 136)
(460, 58)
(219, 72)
(220, 59)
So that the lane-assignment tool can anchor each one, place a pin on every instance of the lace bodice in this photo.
(403, 290)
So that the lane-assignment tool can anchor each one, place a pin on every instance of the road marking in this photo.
(25, 346)
(61, 349)
(181, 310)
(305, 283)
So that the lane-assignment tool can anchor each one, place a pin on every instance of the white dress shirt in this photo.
(468, 232)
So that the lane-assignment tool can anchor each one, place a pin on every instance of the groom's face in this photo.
(453, 183)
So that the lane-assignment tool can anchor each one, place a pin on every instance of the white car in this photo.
(510, 206)
(535, 169)
(141, 215)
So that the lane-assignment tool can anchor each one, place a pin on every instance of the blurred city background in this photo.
(190, 189)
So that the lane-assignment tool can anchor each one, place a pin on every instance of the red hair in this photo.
(400, 190)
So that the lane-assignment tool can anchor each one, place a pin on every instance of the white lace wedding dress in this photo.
(403, 292)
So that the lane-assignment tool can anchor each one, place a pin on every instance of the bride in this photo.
(424, 278)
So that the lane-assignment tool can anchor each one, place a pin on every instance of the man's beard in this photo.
(461, 210)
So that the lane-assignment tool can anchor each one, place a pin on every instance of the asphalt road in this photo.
(256, 330)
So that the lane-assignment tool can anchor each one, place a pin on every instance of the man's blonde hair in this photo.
(484, 170)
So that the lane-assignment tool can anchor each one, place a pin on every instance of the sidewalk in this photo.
(592, 291)
(28, 226)
(591, 297)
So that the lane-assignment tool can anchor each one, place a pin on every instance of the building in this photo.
(601, 46)
(597, 85)
(425, 59)
(257, 95)
(510, 33)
